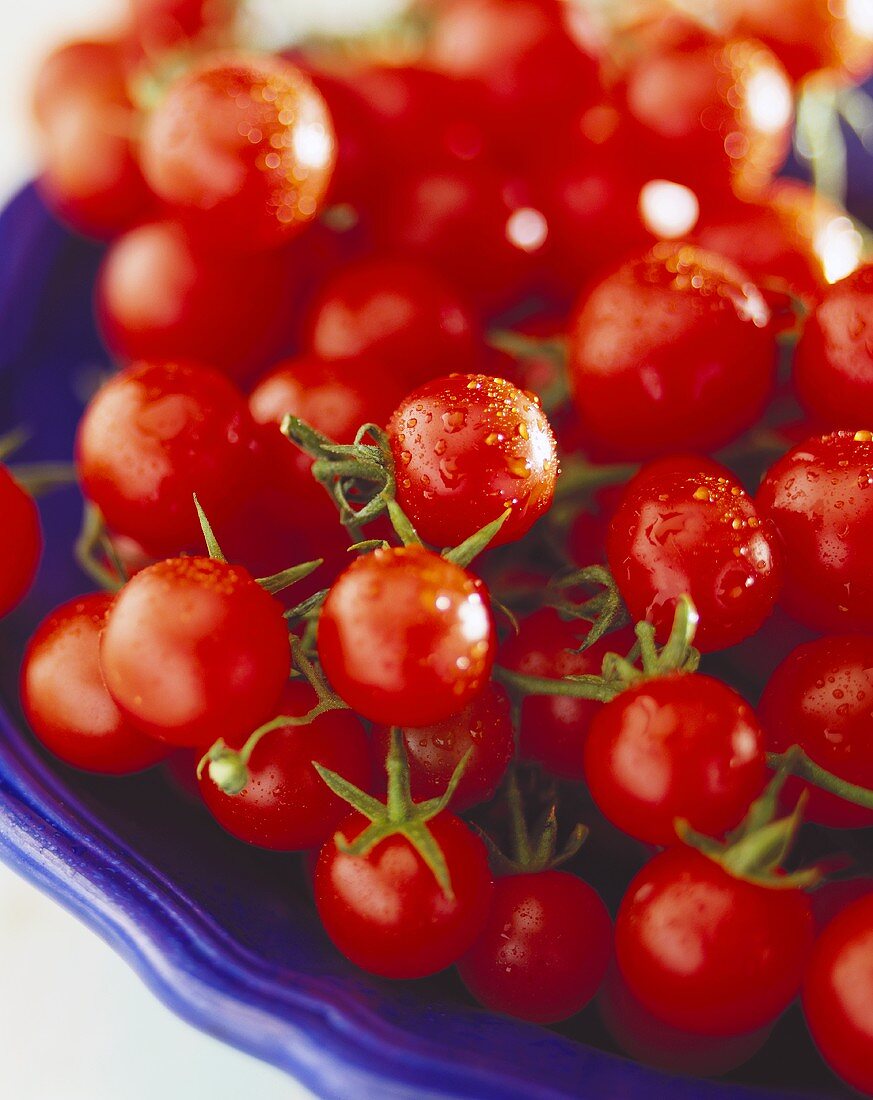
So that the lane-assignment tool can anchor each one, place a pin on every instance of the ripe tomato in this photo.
(680, 533)
(544, 950)
(165, 24)
(673, 350)
(707, 952)
(467, 447)
(484, 728)
(838, 994)
(554, 727)
(833, 362)
(676, 747)
(385, 910)
(154, 435)
(21, 549)
(194, 650)
(819, 496)
(285, 805)
(242, 147)
(64, 698)
(406, 638)
(160, 297)
(399, 313)
(820, 698)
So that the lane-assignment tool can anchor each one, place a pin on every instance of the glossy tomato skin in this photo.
(484, 729)
(675, 747)
(286, 806)
(544, 950)
(819, 496)
(155, 434)
(265, 126)
(669, 351)
(194, 650)
(66, 702)
(838, 994)
(707, 952)
(400, 313)
(467, 447)
(680, 533)
(833, 361)
(160, 297)
(820, 698)
(386, 912)
(406, 638)
(553, 727)
(21, 549)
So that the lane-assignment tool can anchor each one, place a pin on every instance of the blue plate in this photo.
(224, 934)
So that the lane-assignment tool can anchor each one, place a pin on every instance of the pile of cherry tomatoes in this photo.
(490, 457)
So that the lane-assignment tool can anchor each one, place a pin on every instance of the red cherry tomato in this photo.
(678, 533)
(385, 910)
(154, 435)
(86, 68)
(159, 297)
(833, 362)
(286, 805)
(707, 952)
(467, 447)
(677, 747)
(554, 727)
(194, 650)
(674, 350)
(399, 313)
(819, 496)
(243, 148)
(820, 698)
(406, 638)
(484, 729)
(66, 702)
(544, 950)
(838, 995)
(21, 549)
(164, 24)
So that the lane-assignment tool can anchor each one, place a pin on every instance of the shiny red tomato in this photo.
(406, 638)
(66, 702)
(285, 805)
(385, 910)
(707, 952)
(242, 148)
(194, 650)
(466, 448)
(21, 549)
(673, 350)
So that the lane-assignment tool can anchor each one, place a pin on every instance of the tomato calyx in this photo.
(398, 815)
(605, 610)
(796, 762)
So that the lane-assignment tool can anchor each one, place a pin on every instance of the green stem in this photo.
(574, 687)
(91, 537)
(41, 477)
(799, 764)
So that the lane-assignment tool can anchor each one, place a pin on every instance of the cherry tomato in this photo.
(164, 24)
(707, 952)
(820, 698)
(87, 68)
(838, 995)
(544, 950)
(553, 728)
(160, 297)
(286, 805)
(243, 148)
(399, 313)
(679, 533)
(385, 910)
(194, 650)
(484, 729)
(673, 350)
(154, 435)
(21, 549)
(466, 448)
(676, 747)
(406, 638)
(833, 362)
(66, 702)
(819, 496)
